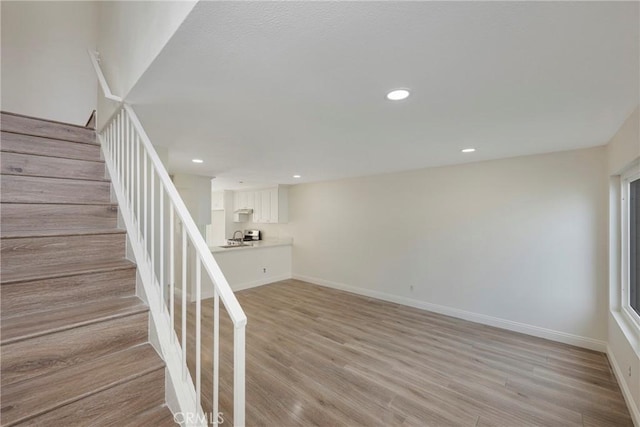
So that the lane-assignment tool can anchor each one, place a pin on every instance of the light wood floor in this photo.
(321, 357)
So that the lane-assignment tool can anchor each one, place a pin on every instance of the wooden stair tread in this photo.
(30, 398)
(50, 272)
(32, 189)
(18, 123)
(26, 256)
(27, 297)
(6, 132)
(43, 146)
(52, 167)
(18, 328)
(107, 180)
(26, 216)
(48, 353)
(158, 417)
(17, 234)
(111, 407)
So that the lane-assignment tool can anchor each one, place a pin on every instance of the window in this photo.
(634, 242)
(631, 243)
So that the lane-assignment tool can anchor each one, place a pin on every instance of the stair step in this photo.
(53, 272)
(17, 123)
(29, 189)
(160, 416)
(51, 167)
(25, 258)
(112, 407)
(22, 298)
(37, 396)
(41, 146)
(18, 328)
(42, 355)
(18, 234)
(21, 216)
(74, 345)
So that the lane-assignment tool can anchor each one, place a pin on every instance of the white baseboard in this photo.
(535, 331)
(261, 282)
(235, 287)
(628, 397)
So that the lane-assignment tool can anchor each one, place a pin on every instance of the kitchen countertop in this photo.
(254, 245)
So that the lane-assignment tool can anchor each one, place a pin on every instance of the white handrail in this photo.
(142, 186)
(101, 79)
(228, 298)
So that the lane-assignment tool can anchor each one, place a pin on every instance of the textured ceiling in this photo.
(265, 90)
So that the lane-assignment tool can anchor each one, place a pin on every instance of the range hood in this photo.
(243, 211)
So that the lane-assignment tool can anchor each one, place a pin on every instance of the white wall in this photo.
(624, 339)
(222, 225)
(46, 71)
(216, 232)
(624, 147)
(245, 268)
(130, 36)
(195, 191)
(267, 231)
(519, 243)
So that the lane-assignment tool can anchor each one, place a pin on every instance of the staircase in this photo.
(74, 341)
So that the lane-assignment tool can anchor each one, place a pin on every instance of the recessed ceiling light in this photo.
(468, 150)
(297, 176)
(197, 161)
(398, 94)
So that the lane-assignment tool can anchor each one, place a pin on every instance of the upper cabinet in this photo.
(243, 200)
(270, 205)
(265, 208)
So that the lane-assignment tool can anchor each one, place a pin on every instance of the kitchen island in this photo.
(265, 261)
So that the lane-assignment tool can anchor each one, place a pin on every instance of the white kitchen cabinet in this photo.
(251, 200)
(273, 212)
(265, 195)
(243, 200)
(270, 205)
(281, 214)
(257, 207)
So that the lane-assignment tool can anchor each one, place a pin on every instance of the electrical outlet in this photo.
(411, 288)
(264, 269)
(629, 370)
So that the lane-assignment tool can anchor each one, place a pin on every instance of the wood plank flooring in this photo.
(317, 356)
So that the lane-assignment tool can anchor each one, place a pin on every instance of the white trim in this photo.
(628, 397)
(260, 282)
(536, 331)
(208, 292)
(631, 316)
(628, 330)
(632, 174)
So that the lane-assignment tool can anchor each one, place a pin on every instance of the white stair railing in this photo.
(154, 214)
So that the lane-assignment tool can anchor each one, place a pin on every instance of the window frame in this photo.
(631, 175)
